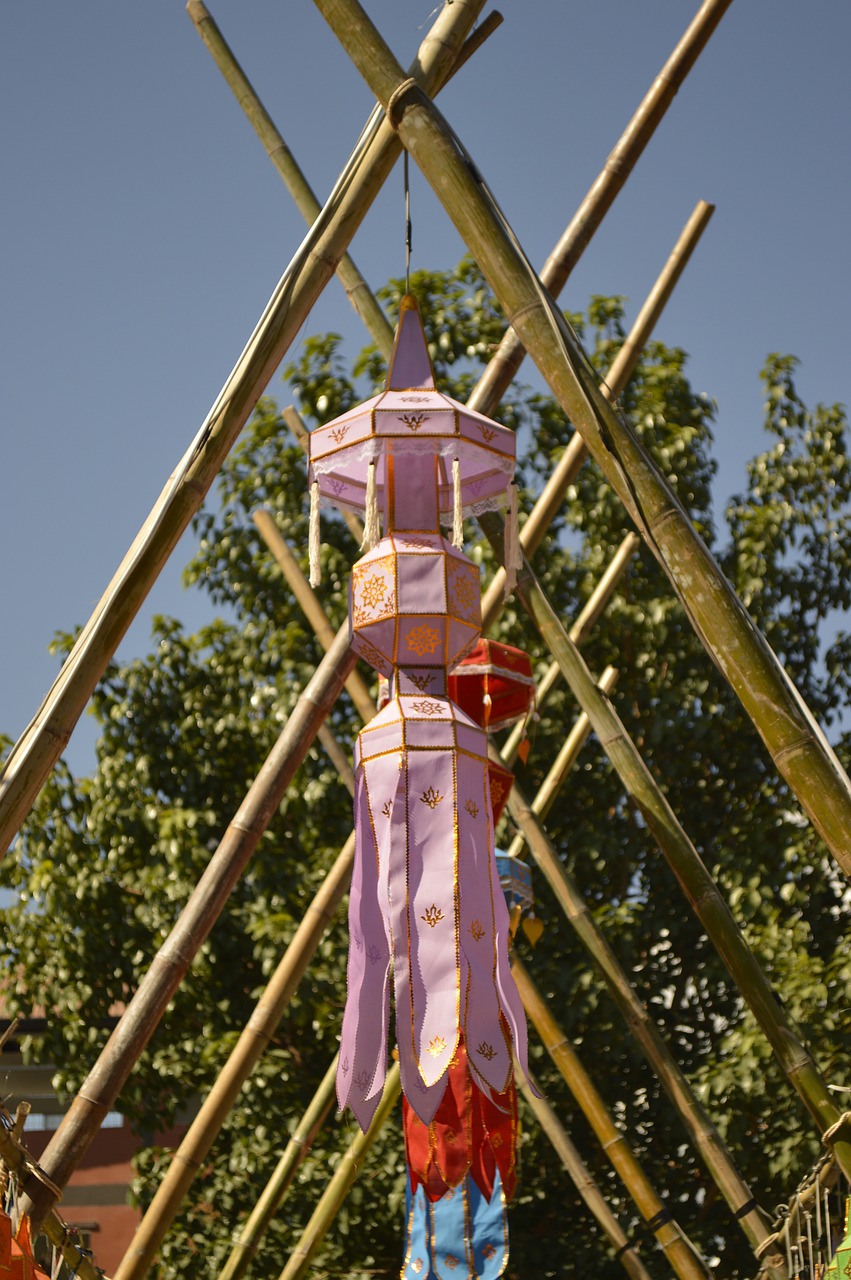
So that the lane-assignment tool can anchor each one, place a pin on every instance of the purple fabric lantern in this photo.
(426, 904)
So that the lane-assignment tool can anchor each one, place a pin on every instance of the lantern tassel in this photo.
(313, 537)
(512, 549)
(457, 512)
(371, 527)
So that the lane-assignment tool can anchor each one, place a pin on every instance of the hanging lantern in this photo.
(425, 890)
(515, 877)
(494, 684)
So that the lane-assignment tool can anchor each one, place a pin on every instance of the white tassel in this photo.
(371, 526)
(313, 537)
(511, 546)
(457, 511)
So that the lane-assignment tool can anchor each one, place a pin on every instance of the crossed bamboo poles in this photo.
(37, 751)
(796, 743)
(279, 767)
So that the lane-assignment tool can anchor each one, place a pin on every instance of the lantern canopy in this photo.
(411, 417)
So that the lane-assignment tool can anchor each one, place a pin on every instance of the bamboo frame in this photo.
(142, 1016)
(41, 744)
(163, 1208)
(79, 1136)
(259, 1030)
(73, 688)
(625, 1251)
(16, 1159)
(704, 1136)
(358, 291)
(340, 1184)
(794, 740)
(678, 1250)
(261, 1216)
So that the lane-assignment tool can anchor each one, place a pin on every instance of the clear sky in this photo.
(144, 230)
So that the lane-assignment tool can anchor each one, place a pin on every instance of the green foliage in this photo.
(106, 863)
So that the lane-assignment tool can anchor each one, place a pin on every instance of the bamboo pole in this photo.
(313, 611)
(606, 186)
(341, 1183)
(17, 1159)
(551, 497)
(258, 1033)
(697, 1122)
(796, 743)
(700, 889)
(360, 295)
(563, 763)
(708, 1142)
(279, 1184)
(625, 1250)
(41, 744)
(171, 963)
(588, 618)
(678, 1250)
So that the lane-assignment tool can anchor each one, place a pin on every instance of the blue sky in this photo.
(144, 230)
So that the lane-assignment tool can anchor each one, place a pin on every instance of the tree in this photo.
(105, 863)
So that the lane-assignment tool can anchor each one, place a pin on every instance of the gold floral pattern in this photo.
(339, 433)
(432, 798)
(465, 593)
(411, 542)
(496, 1141)
(451, 1261)
(417, 1265)
(478, 930)
(424, 639)
(472, 808)
(373, 656)
(488, 433)
(437, 1046)
(388, 808)
(421, 682)
(412, 420)
(427, 708)
(373, 590)
(486, 1051)
(489, 1251)
(432, 915)
(497, 791)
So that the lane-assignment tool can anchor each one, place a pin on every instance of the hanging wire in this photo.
(407, 222)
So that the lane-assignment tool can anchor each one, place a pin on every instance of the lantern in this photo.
(425, 890)
(494, 684)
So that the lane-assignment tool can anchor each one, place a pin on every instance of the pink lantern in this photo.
(426, 902)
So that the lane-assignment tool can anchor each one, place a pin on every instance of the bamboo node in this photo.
(393, 110)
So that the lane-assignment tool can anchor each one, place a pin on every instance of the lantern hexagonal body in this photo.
(414, 601)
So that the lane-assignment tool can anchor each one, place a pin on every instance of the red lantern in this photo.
(493, 684)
